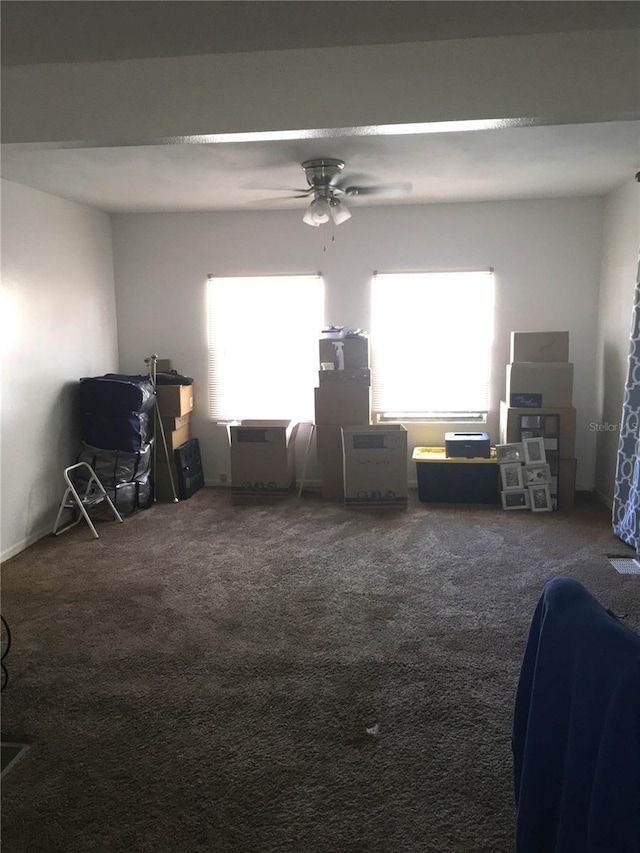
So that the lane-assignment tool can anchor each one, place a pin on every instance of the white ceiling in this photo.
(505, 163)
(510, 163)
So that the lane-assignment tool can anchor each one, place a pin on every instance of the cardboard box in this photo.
(536, 384)
(332, 479)
(163, 365)
(175, 438)
(564, 487)
(162, 481)
(539, 346)
(343, 403)
(329, 443)
(330, 378)
(262, 457)
(548, 423)
(174, 401)
(375, 465)
(170, 424)
(356, 352)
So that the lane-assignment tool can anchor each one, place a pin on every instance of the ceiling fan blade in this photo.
(389, 190)
(303, 192)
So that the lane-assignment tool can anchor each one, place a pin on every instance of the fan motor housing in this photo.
(322, 172)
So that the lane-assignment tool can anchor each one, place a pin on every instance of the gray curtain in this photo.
(626, 496)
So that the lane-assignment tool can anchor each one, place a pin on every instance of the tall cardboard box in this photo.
(262, 458)
(343, 403)
(332, 479)
(329, 455)
(163, 489)
(375, 465)
(547, 423)
(536, 384)
(565, 484)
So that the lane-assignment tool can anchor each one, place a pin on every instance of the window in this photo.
(431, 337)
(263, 346)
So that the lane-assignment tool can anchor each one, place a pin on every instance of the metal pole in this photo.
(152, 361)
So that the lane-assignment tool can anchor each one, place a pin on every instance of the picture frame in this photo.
(512, 452)
(515, 500)
(540, 498)
(536, 475)
(530, 422)
(511, 477)
(534, 452)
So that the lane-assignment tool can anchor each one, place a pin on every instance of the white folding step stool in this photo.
(94, 494)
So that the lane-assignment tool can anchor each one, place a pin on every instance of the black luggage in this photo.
(113, 467)
(128, 432)
(189, 468)
(116, 394)
(128, 497)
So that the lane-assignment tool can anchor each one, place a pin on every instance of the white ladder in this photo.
(93, 495)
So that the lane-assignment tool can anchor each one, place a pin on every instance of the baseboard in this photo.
(603, 498)
(217, 484)
(14, 550)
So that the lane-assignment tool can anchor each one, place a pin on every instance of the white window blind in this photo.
(431, 338)
(263, 346)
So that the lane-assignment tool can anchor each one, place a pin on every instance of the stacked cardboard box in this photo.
(342, 398)
(539, 405)
(174, 407)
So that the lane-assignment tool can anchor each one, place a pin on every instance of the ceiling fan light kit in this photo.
(327, 204)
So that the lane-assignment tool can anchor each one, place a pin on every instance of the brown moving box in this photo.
(565, 483)
(330, 378)
(176, 437)
(356, 352)
(332, 480)
(174, 400)
(548, 423)
(539, 346)
(539, 384)
(375, 465)
(163, 365)
(162, 482)
(262, 457)
(175, 423)
(344, 403)
(329, 443)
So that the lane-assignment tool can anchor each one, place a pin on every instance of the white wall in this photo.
(619, 266)
(58, 324)
(546, 256)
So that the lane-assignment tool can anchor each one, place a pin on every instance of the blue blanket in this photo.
(576, 729)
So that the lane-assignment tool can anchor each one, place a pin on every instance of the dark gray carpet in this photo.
(203, 676)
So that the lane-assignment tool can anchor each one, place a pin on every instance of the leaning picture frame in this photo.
(515, 499)
(540, 498)
(536, 475)
(534, 452)
(512, 452)
(511, 476)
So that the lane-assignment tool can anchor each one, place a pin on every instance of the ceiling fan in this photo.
(327, 192)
